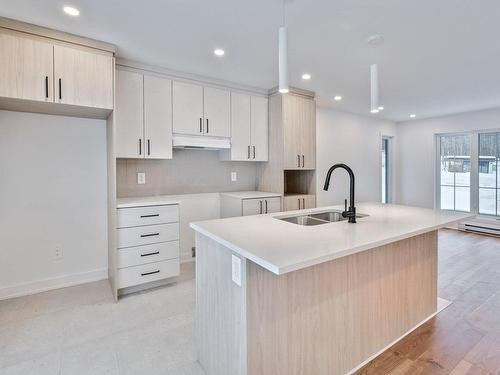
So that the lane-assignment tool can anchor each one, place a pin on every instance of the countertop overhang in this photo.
(282, 247)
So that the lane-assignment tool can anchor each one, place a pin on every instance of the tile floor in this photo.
(80, 330)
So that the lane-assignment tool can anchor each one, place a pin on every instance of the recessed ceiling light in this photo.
(306, 76)
(71, 11)
(337, 98)
(374, 111)
(219, 52)
(380, 108)
(413, 115)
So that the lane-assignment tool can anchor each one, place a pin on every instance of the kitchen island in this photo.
(275, 297)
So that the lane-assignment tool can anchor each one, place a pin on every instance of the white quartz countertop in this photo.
(282, 247)
(250, 194)
(147, 201)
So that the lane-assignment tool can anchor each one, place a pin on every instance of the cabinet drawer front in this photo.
(136, 216)
(147, 272)
(134, 256)
(138, 236)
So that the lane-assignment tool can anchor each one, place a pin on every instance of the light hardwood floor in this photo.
(80, 330)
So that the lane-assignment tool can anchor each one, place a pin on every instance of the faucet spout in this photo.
(351, 212)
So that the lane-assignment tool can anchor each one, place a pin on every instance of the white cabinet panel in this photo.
(135, 256)
(149, 215)
(272, 205)
(217, 112)
(157, 117)
(146, 273)
(252, 207)
(83, 77)
(137, 236)
(129, 115)
(259, 126)
(187, 108)
(26, 68)
(240, 127)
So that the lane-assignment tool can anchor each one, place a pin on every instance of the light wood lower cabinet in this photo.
(299, 202)
(233, 205)
(147, 244)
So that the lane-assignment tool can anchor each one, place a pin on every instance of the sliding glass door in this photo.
(489, 197)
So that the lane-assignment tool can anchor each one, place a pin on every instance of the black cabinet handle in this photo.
(302, 161)
(149, 147)
(303, 203)
(298, 161)
(150, 235)
(140, 146)
(47, 87)
(254, 152)
(299, 203)
(152, 215)
(60, 88)
(260, 203)
(248, 152)
(207, 126)
(150, 254)
(266, 206)
(150, 273)
(201, 125)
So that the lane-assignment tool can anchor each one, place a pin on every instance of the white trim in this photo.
(441, 305)
(53, 283)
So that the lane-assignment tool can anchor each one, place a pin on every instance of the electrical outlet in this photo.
(236, 269)
(141, 178)
(234, 176)
(58, 253)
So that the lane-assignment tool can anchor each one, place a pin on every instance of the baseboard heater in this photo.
(485, 226)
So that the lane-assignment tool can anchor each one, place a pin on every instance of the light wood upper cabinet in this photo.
(83, 77)
(259, 128)
(217, 112)
(240, 127)
(129, 114)
(188, 108)
(157, 117)
(26, 68)
(299, 132)
(143, 116)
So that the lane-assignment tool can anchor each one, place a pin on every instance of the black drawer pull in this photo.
(60, 88)
(150, 235)
(149, 254)
(47, 87)
(152, 215)
(150, 273)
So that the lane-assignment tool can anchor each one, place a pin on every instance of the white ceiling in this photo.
(439, 56)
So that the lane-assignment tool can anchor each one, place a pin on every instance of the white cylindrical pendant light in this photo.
(282, 60)
(374, 107)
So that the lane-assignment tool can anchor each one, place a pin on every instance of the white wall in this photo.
(415, 176)
(52, 194)
(356, 141)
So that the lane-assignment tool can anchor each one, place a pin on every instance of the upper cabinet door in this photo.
(292, 131)
(217, 110)
(240, 127)
(129, 115)
(83, 78)
(308, 146)
(157, 117)
(188, 108)
(259, 120)
(26, 68)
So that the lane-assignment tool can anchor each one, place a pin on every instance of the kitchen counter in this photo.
(277, 298)
(282, 247)
(250, 194)
(147, 201)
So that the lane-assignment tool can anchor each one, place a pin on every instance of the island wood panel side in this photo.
(220, 310)
(328, 319)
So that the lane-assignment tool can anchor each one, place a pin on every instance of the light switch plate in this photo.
(234, 176)
(141, 178)
(236, 269)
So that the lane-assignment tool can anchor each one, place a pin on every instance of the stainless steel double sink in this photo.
(317, 218)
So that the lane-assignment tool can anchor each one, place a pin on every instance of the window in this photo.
(455, 170)
(489, 158)
(385, 170)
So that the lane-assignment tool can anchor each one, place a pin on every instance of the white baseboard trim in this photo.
(53, 283)
(441, 305)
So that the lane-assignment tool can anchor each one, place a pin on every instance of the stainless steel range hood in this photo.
(200, 142)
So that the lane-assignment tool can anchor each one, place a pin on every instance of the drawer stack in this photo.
(148, 244)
